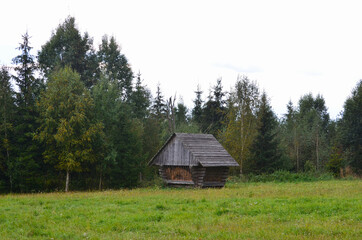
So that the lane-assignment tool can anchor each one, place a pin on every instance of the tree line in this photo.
(81, 118)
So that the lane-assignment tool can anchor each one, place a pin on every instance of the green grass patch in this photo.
(303, 210)
(286, 176)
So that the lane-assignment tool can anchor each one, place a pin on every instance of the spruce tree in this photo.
(197, 110)
(140, 99)
(214, 110)
(264, 149)
(219, 94)
(115, 65)
(7, 139)
(159, 106)
(25, 69)
(28, 159)
(351, 129)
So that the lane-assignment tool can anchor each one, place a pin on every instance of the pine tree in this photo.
(264, 149)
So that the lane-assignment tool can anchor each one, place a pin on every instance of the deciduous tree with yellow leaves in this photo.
(240, 124)
(67, 126)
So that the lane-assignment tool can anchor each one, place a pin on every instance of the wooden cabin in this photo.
(193, 159)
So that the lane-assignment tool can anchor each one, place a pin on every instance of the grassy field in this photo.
(307, 210)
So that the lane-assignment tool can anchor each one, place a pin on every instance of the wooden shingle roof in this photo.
(186, 149)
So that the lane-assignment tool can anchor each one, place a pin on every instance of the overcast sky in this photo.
(289, 47)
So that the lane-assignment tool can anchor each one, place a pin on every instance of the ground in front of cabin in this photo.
(307, 210)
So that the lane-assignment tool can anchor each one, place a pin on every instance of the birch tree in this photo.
(241, 121)
(66, 127)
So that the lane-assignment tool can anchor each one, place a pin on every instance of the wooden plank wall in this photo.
(216, 176)
(174, 154)
(210, 176)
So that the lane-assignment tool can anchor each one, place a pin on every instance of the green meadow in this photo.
(306, 210)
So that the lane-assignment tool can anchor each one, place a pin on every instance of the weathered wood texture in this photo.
(196, 176)
(174, 154)
(193, 159)
(215, 176)
(184, 149)
(209, 176)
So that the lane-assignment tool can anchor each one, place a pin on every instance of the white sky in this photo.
(289, 47)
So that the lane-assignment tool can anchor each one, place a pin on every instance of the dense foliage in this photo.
(80, 118)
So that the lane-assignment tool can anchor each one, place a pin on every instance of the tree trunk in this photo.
(100, 181)
(67, 181)
(241, 158)
(242, 148)
(297, 158)
(296, 148)
(7, 149)
(241, 170)
(11, 183)
(171, 114)
(317, 151)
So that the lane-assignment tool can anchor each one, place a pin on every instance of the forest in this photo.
(77, 117)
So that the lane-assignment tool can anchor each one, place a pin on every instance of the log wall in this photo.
(196, 176)
(215, 176)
